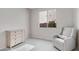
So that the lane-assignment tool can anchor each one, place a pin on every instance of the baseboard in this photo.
(41, 39)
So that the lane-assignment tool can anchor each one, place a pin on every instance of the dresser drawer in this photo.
(13, 33)
(12, 37)
(19, 33)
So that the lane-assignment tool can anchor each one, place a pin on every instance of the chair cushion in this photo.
(59, 40)
(62, 36)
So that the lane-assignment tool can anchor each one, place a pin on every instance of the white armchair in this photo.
(66, 41)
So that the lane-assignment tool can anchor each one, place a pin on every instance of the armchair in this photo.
(66, 41)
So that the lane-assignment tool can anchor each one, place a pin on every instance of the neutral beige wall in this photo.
(13, 19)
(76, 17)
(64, 18)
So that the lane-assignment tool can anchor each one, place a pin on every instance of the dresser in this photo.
(14, 37)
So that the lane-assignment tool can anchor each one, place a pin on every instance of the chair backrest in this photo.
(68, 31)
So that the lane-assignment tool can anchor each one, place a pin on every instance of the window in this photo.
(43, 18)
(47, 18)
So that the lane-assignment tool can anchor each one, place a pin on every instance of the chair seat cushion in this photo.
(59, 40)
(62, 36)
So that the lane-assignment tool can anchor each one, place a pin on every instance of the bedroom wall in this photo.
(76, 17)
(64, 18)
(13, 19)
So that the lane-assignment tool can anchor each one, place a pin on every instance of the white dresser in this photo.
(14, 37)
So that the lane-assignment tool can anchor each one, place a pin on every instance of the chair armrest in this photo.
(68, 43)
